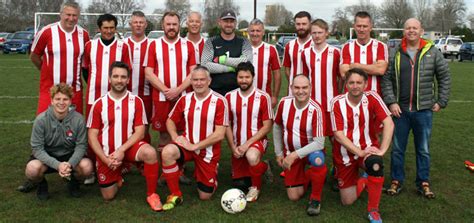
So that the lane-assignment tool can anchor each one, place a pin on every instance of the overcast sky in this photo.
(318, 8)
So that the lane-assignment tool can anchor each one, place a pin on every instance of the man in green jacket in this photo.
(59, 142)
(408, 89)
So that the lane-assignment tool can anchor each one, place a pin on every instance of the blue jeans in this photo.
(421, 123)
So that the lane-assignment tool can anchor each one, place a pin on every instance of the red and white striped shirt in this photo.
(171, 62)
(299, 126)
(247, 113)
(265, 60)
(370, 53)
(138, 85)
(62, 53)
(292, 58)
(97, 59)
(198, 48)
(201, 117)
(323, 69)
(359, 123)
(116, 119)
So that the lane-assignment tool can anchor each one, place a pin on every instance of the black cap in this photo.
(228, 14)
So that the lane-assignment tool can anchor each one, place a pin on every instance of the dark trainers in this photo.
(27, 186)
(425, 190)
(395, 188)
(42, 191)
(268, 173)
(314, 208)
(73, 187)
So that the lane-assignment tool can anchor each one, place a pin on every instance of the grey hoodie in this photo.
(51, 138)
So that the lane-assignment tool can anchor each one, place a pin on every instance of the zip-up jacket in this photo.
(428, 78)
(51, 138)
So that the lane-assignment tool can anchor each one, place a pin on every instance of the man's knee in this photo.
(148, 154)
(85, 167)
(253, 156)
(374, 165)
(316, 158)
(205, 192)
(34, 169)
(170, 153)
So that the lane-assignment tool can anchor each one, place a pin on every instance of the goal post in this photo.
(88, 20)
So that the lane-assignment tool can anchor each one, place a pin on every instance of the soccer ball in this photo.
(233, 201)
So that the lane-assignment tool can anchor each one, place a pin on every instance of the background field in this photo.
(451, 144)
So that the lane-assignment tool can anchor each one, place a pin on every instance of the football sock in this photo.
(317, 176)
(361, 185)
(256, 173)
(171, 174)
(150, 171)
(374, 188)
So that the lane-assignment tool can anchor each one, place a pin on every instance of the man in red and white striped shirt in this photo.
(116, 130)
(99, 55)
(250, 119)
(194, 24)
(138, 44)
(365, 53)
(57, 51)
(293, 49)
(355, 120)
(265, 61)
(167, 65)
(321, 64)
(298, 135)
(205, 116)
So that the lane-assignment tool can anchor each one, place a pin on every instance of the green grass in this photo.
(451, 144)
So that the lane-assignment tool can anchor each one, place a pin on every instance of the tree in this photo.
(181, 7)
(449, 14)
(341, 23)
(365, 5)
(214, 8)
(116, 7)
(394, 13)
(424, 12)
(243, 24)
(463, 31)
(277, 14)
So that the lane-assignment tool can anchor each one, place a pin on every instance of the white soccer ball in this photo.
(233, 201)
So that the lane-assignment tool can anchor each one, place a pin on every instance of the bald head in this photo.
(412, 31)
(412, 22)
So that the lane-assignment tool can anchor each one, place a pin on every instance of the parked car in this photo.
(450, 46)
(127, 34)
(281, 43)
(3, 39)
(20, 42)
(335, 43)
(156, 34)
(466, 52)
(393, 45)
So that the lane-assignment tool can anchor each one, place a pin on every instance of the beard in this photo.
(171, 34)
(119, 88)
(245, 87)
(302, 33)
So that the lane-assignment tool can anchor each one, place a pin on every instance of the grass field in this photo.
(451, 144)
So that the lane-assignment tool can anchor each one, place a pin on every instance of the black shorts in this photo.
(64, 158)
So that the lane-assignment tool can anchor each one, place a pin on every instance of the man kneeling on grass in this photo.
(59, 142)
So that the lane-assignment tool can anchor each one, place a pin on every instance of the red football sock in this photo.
(317, 176)
(374, 187)
(361, 185)
(256, 173)
(171, 174)
(150, 171)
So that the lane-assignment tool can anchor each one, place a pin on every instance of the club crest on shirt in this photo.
(70, 135)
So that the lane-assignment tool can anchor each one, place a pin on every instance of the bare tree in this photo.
(341, 23)
(395, 12)
(213, 9)
(181, 7)
(368, 6)
(449, 14)
(424, 12)
(277, 14)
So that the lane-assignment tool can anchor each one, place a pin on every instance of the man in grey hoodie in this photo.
(59, 142)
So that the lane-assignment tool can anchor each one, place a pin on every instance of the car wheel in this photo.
(5, 52)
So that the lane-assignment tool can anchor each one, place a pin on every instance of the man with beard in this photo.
(265, 61)
(250, 120)
(224, 52)
(116, 129)
(365, 53)
(167, 64)
(194, 23)
(293, 49)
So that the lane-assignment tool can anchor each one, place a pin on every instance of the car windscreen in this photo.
(22, 36)
(455, 41)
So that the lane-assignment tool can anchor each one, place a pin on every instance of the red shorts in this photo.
(161, 110)
(240, 166)
(106, 175)
(205, 172)
(148, 103)
(296, 176)
(347, 176)
(44, 101)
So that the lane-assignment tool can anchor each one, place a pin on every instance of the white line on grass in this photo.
(21, 122)
(17, 97)
(460, 101)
